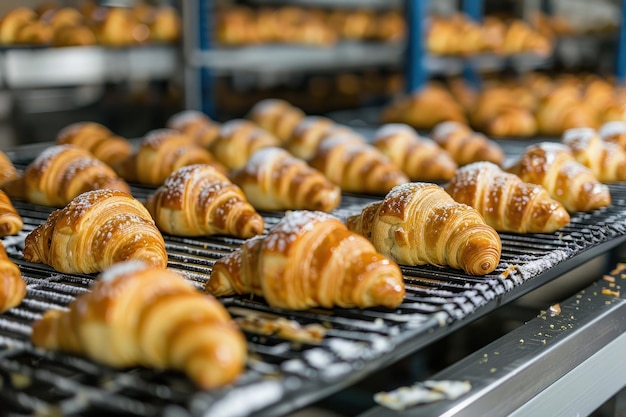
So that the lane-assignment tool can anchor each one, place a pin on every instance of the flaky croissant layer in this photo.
(506, 202)
(94, 231)
(310, 259)
(140, 315)
(199, 200)
(419, 223)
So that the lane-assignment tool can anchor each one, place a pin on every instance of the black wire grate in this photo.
(282, 374)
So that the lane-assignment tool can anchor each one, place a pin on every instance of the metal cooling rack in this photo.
(281, 375)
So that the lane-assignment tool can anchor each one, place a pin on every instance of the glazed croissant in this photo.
(238, 140)
(98, 140)
(196, 124)
(419, 223)
(94, 231)
(7, 169)
(161, 152)
(10, 220)
(309, 259)
(419, 158)
(506, 202)
(60, 173)
(276, 116)
(12, 286)
(606, 160)
(466, 146)
(553, 166)
(137, 315)
(614, 132)
(198, 200)
(356, 167)
(273, 179)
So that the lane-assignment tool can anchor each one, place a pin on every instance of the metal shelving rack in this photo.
(204, 59)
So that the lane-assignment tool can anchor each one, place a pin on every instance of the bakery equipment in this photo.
(283, 374)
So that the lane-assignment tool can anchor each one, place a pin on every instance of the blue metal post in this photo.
(474, 10)
(620, 68)
(205, 32)
(416, 75)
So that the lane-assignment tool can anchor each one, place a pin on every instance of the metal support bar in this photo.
(620, 70)
(474, 10)
(416, 75)
(205, 31)
(568, 363)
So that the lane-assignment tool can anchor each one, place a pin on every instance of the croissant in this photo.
(419, 223)
(419, 158)
(60, 173)
(161, 152)
(7, 169)
(139, 315)
(238, 140)
(12, 286)
(195, 124)
(553, 166)
(10, 220)
(506, 202)
(198, 200)
(614, 132)
(511, 121)
(98, 140)
(307, 136)
(424, 109)
(466, 146)
(273, 179)
(606, 160)
(309, 259)
(276, 116)
(357, 167)
(94, 231)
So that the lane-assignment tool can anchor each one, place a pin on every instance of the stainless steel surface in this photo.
(555, 365)
(50, 67)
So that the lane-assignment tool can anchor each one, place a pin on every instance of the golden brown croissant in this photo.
(195, 124)
(12, 21)
(309, 259)
(419, 223)
(614, 132)
(466, 146)
(506, 202)
(511, 121)
(357, 167)
(553, 166)
(273, 179)
(12, 286)
(98, 140)
(421, 159)
(73, 36)
(606, 160)
(137, 315)
(161, 152)
(564, 109)
(307, 135)
(10, 220)
(276, 116)
(238, 140)
(60, 173)
(198, 200)
(426, 108)
(7, 169)
(94, 231)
